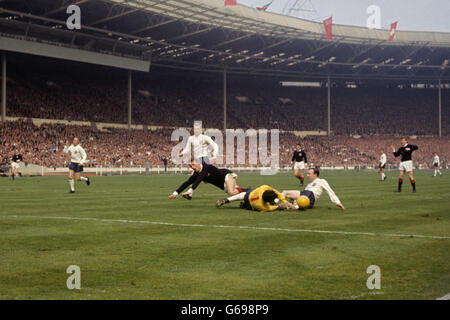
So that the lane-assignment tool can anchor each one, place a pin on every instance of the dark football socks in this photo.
(413, 184)
(400, 182)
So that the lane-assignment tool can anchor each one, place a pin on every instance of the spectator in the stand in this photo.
(4, 165)
(164, 160)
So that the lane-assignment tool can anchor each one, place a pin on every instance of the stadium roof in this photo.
(214, 13)
(205, 35)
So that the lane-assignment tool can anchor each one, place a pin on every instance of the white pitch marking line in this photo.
(365, 294)
(446, 297)
(229, 227)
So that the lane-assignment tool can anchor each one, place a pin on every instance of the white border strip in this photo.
(446, 297)
(231, 227)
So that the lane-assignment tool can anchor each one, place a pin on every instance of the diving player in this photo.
(223, 179)
(263, 198)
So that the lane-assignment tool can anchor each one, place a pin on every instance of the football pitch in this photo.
(131, 242)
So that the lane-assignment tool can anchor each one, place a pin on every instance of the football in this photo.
(303, 202)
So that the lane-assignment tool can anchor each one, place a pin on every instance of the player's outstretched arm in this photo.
(333, 197)
(286, 206)
(185, 184)
(66, 147)
(196, 179)
(280, 196)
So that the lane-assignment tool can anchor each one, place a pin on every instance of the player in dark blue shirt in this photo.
(15, 164)
(300, 161)
(223, 179)
(406, 164)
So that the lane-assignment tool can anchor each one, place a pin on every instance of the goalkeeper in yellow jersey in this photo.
(264, 198)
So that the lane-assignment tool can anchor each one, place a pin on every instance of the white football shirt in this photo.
(383, 159)
(436, 159)
(200, 145)
(318, 186)
(78, 155)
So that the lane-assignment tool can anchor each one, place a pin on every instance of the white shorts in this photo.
(229, 177)
(15, 165)
(406, 165)
(299, 165)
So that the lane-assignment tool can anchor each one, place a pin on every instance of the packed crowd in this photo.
(377, 113)
(165, 101)
(119, 147)
(111, 147)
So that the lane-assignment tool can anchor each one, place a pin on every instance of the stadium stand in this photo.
(111, 147)
(184, 82)
(176, 101)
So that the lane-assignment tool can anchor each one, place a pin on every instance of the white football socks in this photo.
(84, 178)
(239, 196)
(72, 185)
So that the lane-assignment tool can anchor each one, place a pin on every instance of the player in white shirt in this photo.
(314, 190)
(199, 143)
(436, 165)
(382, 165)
(78, 159)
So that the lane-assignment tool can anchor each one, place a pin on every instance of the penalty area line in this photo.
(390, 235)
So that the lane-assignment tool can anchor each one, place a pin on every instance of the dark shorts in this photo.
(382, 166)
(310, 195)
(76, 167)
(435, 165)
(246, 204)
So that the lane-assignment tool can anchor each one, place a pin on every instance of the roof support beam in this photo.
(64, 6)
(109, 18)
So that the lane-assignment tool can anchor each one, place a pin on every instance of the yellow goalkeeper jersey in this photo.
(256, 200)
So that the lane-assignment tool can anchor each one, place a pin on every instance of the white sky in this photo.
(417, 15)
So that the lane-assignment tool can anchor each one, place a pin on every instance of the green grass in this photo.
(137, 260)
